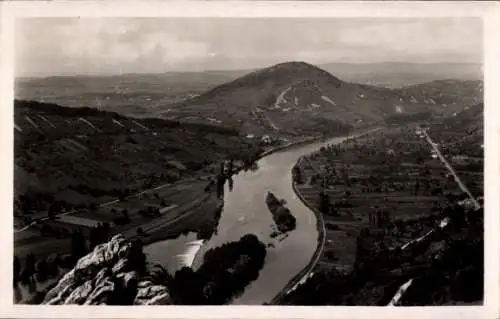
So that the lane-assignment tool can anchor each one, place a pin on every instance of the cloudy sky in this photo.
(53, 46)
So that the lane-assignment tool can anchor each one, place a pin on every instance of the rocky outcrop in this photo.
(111, 275)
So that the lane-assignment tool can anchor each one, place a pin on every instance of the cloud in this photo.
(101, 46)
(111, 45)
(425, 38)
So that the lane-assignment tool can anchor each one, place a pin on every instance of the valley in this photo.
(200, 163)
(396, 213)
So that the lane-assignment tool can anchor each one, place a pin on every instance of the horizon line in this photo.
(232, 70)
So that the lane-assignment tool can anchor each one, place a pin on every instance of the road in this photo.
(452, 171)
(187, 202)
(38, 221)
(399, 294)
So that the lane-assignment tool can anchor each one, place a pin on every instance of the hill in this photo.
(293, 97)
(449, 96)
(270, 100)
(85, 156)
(145, 94)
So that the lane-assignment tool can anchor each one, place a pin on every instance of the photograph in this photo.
(245, 161)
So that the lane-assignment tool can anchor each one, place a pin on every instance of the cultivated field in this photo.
(383, 191)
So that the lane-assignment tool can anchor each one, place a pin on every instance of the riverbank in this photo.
(237, 169)
(385, 169)
(190, 221)
(321, 228)
(210, 205)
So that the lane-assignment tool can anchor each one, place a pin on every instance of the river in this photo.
(245, 212)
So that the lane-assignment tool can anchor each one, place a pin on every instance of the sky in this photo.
(68, 46)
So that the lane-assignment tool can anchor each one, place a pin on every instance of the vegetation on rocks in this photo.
(115, 273)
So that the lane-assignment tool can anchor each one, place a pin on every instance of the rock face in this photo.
(107, 276)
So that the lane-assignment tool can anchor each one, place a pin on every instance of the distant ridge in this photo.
(440, 70)
(293, 96)
(358, 91)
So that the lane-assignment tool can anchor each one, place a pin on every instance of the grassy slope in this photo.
(63, 155)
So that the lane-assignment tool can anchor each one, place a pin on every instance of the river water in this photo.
(245, 212)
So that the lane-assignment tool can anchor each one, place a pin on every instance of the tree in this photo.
(106, 227)
(93, 238)
(51, 212)
(140, 231)
(379, 218)
(297, 175)
(188, 286)
(42, 270)
(417, 187)
(121, 197)
(17, 270)
(136, 257)
(333, 211)
(78, 248)
(221, 180)
(324, 202)
(29, 268)
(221, 169)
(93, 207)
(230, 167)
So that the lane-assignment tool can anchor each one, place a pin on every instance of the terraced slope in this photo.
(85, 156)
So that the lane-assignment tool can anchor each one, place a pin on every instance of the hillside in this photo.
(85, 156)
(449, 95)
(143, 95)
(296, 96)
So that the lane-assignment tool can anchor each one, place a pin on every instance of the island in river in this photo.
(282, 217)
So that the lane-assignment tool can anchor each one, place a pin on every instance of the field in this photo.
(382, 191)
